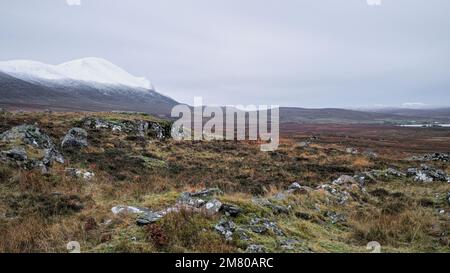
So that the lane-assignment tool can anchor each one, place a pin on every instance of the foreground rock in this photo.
(75, 138)
(29, 147)
(201, 201)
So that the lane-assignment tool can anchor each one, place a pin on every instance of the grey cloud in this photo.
(311, 53)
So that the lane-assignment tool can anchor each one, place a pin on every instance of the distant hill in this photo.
(438, 113)
(332, 115)
(84, 85)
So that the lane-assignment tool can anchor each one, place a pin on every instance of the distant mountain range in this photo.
(94, 84)
(381, 116)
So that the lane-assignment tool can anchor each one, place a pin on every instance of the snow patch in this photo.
(91, 70)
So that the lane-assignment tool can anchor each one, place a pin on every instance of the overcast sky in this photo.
(310, 53)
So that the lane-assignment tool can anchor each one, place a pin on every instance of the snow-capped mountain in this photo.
(86, 84)
(88, 70)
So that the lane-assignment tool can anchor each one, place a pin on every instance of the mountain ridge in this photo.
(33, 86)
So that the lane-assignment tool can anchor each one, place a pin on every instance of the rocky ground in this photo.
(116, 182)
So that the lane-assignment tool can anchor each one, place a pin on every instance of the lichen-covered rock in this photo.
(198, 199)
(75, 138)
(255, 249)
(432, 157)
(427, 174)
(226, 228)
(394, 172)
(344, 179)
(76, 173)
(140, 128)
(261, 225)
(28, 147)
(148, 218)
(16, 154)
(335, 217)
(213, 206)
(230, 210)
(128, 209)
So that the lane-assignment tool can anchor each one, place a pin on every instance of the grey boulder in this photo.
(75, 138)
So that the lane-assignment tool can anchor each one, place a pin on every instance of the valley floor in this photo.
(132, 189)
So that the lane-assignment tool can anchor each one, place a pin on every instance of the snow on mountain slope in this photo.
(91, 70)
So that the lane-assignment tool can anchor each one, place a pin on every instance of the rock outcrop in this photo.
(75, 138)
(427, 174)
(29, 147)
(140, 128)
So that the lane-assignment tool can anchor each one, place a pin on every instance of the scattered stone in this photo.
(148, 218)
(432, 157)
(226, 228)
(298, 190)
(207, 193)
(255, 249)
(295, 186)
(213, 206)
(261, 225)
(335, 217)
(427, 174)
(259, 229)
(16, 154)
(242, 234)
(303, 144)
(76, 173)
(353, 151)
(198, 199)
(370, 154)
(394, 172)
(128, 209)
(288, 244)
(344, 179)
(140, 128)
(277, 209)
(75, 138)
(341, 195)
(29, 148)
(362, 179)
(187, 199)
(231, 210)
